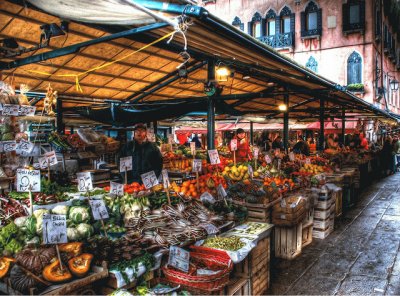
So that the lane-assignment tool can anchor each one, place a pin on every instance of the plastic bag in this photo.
(88, 135)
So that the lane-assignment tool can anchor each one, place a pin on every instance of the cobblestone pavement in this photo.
(360, 257)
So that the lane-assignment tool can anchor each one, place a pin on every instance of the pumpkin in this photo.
(80, 265)
(21, 281)
(5, 263)
(53, 273)
(35, 260)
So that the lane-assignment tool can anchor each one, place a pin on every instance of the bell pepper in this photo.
(74, 248)
(80, 265)
(5, 263)
(53, 273)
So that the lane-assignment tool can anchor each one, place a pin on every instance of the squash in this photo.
(54, 274)
(21, 281)
(70, 250)
(79, 266)
(5, 263)
(35, 259)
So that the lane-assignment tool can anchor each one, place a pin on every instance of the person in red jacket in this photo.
(243, 152)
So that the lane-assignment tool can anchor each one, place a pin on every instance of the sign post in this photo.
(55, 232)
(125, 165)
(234, 148)
(166, 184)
(196, 167)
(28, 181)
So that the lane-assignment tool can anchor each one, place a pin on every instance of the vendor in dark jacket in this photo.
(146, 156)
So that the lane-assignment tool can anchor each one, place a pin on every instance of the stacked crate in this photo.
(324, 213)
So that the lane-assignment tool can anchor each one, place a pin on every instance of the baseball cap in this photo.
(140, 126)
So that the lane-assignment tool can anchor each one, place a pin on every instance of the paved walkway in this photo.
(360, 257)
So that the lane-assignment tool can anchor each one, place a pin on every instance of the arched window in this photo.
(238, 23)
(312, 64)
(255, 25)
(353, 16)
(285, 17)
(354, 69)
(311, 21)
(270, 23)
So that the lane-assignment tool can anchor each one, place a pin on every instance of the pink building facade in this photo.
(352, 42)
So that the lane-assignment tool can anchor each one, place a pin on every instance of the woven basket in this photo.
(207, 283)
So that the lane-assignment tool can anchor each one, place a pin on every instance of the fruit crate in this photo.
(288, 241)
(260, 282)
(307, 234)
(238, 286)
(338, 196)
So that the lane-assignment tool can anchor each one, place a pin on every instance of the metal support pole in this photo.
(322, 123)
(60, 124)
(343, 125)
(211, 108)
(286, 124)
(155, 127)
(251, 133)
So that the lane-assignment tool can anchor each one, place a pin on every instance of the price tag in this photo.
(9, 146)
(84, 181)
(165, 178)
(221, 191)
(279, 164)
(267, 159)
(149, 179)
(51, 158)
(277, 151)
(256, 150)
(207, 197)
(250, 171)
(125, 163)
(291, 156)
(99, 209)
(210, 228)
(43, 163)
(54, 229)
(193, 148)
(196, 165)
(179, 258)
(233, 144)
(214, 157)
(116, 189)
(25, 147)
(27, 110)
(171, 139)
(10, 110)
(28, 180)
(308, 161)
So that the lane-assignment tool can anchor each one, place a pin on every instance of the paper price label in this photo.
(9, 146)
(214, 157)
(125, 163)
(84, 181)
(250, 171)
(279, 164)
(210, 228)
(171, 139)
(277, 151)
(165, 178)
(221, 191)
(99, 209)
(28, 180)
(291, 156)
(51, 158)
(10, 110)
(233, 144)
(179, 258)
(25, 147)
(43, 163)
(149, 179)
(27, 110)
(193, 148)
(207, 197)
(256, 151)
(116, 189)
(197, 165)
(267, 159)
(54, 229)
(308, 161)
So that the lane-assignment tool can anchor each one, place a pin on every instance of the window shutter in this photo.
(277, 25)
(250, 28)
(292, 23)
(263, 27)
(303, 23)
(362, 14)
(345, 15)
(319, 21)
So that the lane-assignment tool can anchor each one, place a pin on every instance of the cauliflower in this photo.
(79, 214)
(72, 234)
(39, 219)
(85, 230)
(60, 210)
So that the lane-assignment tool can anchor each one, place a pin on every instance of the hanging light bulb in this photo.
(282, 107)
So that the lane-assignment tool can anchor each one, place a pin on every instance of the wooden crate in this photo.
(288, 241)
(238, 286)
(257, 214)
(309, 217)
(307, 235)
(338, 194)
(259, 282)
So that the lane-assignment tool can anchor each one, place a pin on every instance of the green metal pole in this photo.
(211, 108)
(251, 133)
(322, 123)
(343, 125)
(286, 124)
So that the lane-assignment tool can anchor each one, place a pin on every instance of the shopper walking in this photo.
(396, 152)
(387, 157)
(277, 143)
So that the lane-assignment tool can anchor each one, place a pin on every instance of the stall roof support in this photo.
(286, 124)
(322, 124)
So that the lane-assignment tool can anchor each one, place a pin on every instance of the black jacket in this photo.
(145, 158)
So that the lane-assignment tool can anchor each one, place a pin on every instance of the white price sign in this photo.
(308, 161)
(234, 144)
(179, 258)
(291, 156)
(99, 209)
(25, 147)
(165, 178)
(267, 159)
(196, 165)
(43, 163)
(149, 179)
(116, 189)
(207, 197)
(51, 158)
(193, 148)
(221, 191)
(84, 181)
(10, 110)
(9, 146)
(27, 110)
(125, 163)
(256, 151)
(171, 139)
(54, 229)
(28, 180)
(214, 157)
(250, 171)
(210, 228)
